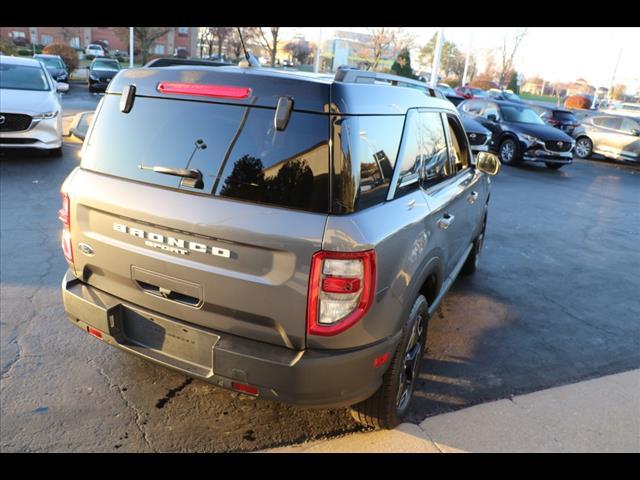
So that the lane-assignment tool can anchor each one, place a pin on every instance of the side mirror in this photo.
(487, 163)
(62, 87)
(636, 132)
(492, 117)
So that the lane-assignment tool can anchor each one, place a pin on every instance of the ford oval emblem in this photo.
(86, 249)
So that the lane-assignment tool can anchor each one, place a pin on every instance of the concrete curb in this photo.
(599, 415)
(78, 124)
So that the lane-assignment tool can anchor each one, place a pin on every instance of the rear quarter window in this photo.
(365, 151)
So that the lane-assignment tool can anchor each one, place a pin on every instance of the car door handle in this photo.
(473, 196)
(445, 221)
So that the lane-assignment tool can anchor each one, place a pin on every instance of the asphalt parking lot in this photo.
(555, 301)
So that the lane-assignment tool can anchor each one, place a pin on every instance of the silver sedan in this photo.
(30, 109)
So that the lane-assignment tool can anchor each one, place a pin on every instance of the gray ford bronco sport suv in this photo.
(284, 235)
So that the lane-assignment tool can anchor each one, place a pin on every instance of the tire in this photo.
(55, 152)
(584, 147)
(386, 408)
(509, 151)
(554, 166)
(471, 265)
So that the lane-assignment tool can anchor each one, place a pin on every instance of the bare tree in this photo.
(221, 34)
(143, 38)
(235, 45)
(383, 42)
(300, 50)
(507, 53)
(269, 44)
(204, 38)
(618, 91)
(387, 43)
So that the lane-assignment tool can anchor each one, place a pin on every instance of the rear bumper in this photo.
(314, 378)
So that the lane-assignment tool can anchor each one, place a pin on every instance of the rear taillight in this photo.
(341, 290)
(64, 215)
(219, 91)
(244, 388)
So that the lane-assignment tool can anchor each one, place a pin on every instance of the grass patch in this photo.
(540, 98)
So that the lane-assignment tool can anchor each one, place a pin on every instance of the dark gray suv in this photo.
(284, 235)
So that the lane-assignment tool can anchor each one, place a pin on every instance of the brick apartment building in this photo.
(80, 37)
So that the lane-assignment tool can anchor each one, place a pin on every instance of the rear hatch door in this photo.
(232, 254)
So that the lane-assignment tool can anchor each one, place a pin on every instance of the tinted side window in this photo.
(608, 122)
(628, 125)
(410, 153)
(436, 165)
(491, 109)
(459, 151)
(474, 107)
(423, 155)
(364, 156)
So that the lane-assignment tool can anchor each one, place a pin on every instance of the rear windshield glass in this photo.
(237, 149)
(51, 62)
(105, 65)
(22, 77)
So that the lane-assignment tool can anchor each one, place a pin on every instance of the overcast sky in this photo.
(554, 53)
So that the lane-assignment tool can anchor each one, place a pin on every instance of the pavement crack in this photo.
(138, 414)
(431, 439)
(568, 312)
(7, 371)
(172, 393)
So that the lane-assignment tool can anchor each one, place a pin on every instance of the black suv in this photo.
(101, 71)
(519, 133)
(560, 118)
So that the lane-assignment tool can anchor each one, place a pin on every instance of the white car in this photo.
(30, 109)
(94, 49)
(625, 109)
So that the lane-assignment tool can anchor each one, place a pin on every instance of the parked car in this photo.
(95, 49)
(562, 119)
(479, 137)
(241, 262)
(504, 95)
(30, 109)
(101, 71)
(450, 93)
(520, 134)
(181, 52)
(626, 109)
(612, 136)
(471, 92)
(55, 65)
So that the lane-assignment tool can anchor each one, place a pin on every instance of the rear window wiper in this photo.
(190, 176)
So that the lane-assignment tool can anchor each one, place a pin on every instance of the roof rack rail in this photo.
(172, 61)
(355, 75)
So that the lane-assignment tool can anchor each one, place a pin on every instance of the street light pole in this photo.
(436, 59)
(130, 47)
(613, 78)
(466, 64)
(316, 67)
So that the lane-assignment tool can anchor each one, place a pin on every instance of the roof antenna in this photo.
(252, 61)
